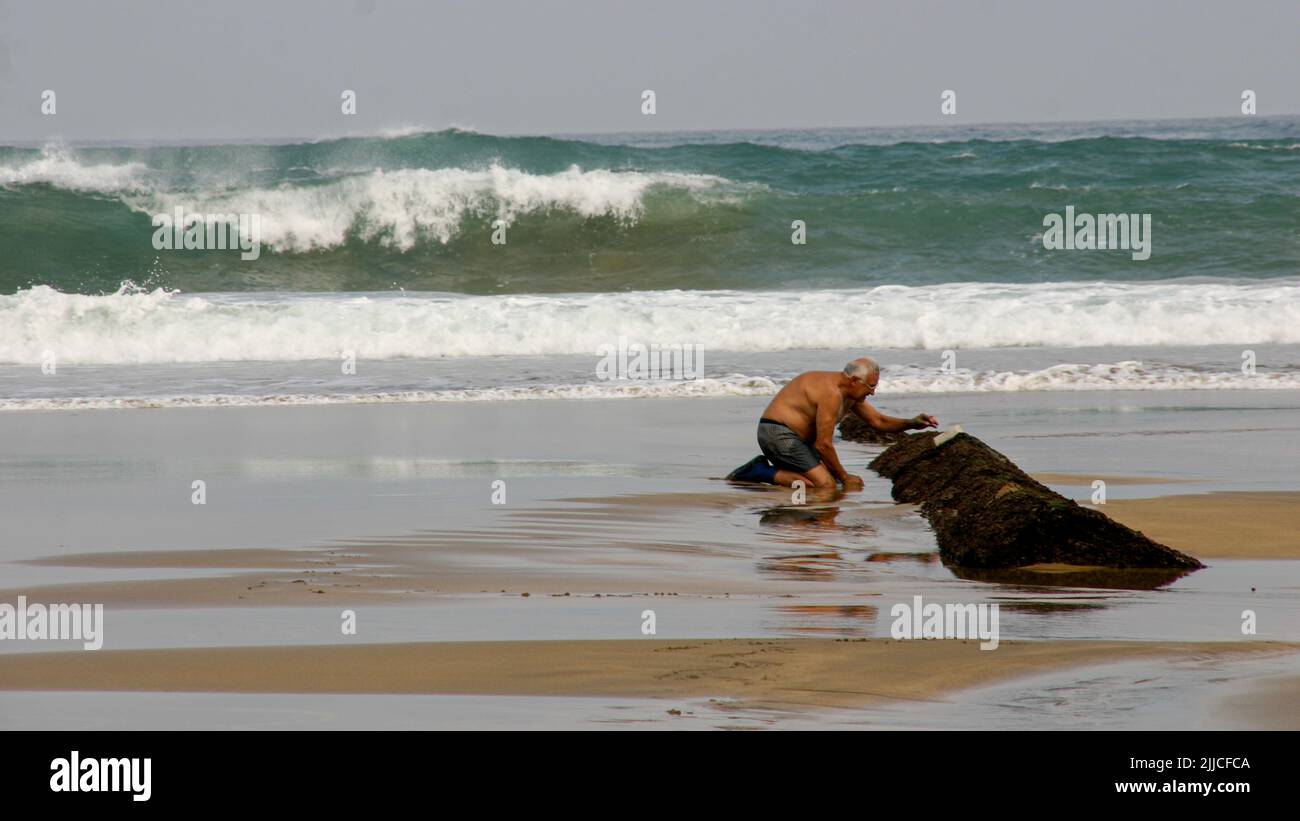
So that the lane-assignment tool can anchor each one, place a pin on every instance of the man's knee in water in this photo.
(820, 479)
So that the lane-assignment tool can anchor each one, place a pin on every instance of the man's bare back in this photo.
(795, 405)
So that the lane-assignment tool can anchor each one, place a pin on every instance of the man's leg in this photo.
(794, 459)
(818, 476)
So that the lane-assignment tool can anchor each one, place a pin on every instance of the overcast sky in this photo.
(174, 70)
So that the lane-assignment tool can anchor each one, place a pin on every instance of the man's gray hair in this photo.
(861, 368)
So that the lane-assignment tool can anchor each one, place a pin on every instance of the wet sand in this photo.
(1271, 703)
(1222, 525)
(810, 672)
(1081, 480)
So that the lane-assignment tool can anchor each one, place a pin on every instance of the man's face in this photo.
(860, 390)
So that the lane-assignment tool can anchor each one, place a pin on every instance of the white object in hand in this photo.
(946, 435)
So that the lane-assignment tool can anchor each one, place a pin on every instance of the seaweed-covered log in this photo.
(989, 514)
(854, 429)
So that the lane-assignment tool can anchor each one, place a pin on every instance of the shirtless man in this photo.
(796, 429)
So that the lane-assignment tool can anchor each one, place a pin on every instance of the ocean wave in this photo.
(61, 168)
(707, 211)
(400, 208)
(135, 326)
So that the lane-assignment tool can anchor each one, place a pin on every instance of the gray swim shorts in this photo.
(784, 449)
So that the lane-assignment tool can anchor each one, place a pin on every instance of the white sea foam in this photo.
(895, 381)
(59, 167)
(1292, 147)
(1129, 375)
(401, 207)
(1048, 187)
(134, 326)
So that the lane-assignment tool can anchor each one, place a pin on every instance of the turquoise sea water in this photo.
(699, 211)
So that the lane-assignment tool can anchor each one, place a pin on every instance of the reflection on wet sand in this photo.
(1052, 608)
(848, 620)
(923, 558)
(1069, 576)
(819, 518)
(806, 566)
(797, 524)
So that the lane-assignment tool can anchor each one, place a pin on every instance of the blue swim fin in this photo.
(757, 469)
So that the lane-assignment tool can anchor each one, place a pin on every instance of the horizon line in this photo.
(395, 132)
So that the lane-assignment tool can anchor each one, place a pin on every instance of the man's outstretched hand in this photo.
(925, 420)
(852, 482)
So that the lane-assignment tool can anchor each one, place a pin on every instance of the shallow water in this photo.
(272, 711)
(75, 481)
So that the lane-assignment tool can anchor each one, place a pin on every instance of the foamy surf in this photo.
(60, 167)
(151, 327)
(895, 381)
(400, 208)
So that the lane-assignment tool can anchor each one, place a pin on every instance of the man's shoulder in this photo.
(824, 385)
(817, 387)
(826, 377)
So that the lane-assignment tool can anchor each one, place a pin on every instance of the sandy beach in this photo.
(1227, 525)
(792, 672)
(1215, 525)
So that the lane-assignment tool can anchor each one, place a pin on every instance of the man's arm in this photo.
(892, 424)
(827, 411)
